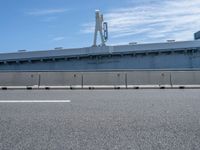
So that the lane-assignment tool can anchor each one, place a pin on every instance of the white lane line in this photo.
(35, 101)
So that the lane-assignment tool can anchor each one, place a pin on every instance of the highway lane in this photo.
(100, 119)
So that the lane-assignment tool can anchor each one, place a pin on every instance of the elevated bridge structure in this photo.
(159, 65)
(171, 55)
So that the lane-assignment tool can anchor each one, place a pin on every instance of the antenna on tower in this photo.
(102, 28)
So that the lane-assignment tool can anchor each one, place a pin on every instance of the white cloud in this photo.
(58, 38)
(42, 12)
(159, 21)
(49, 19)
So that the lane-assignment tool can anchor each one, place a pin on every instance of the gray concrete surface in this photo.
(112, 78)
(101, 120)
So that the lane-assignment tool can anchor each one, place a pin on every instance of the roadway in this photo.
(100, 119)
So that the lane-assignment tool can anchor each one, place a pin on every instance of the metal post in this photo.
(126, 81)
(170, 77)
(82, 81)
(39, 80)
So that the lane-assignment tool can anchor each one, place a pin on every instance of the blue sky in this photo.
(46, 24)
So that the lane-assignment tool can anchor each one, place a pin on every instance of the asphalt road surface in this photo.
(100, 120)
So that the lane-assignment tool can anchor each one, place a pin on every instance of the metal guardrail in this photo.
(95, 80)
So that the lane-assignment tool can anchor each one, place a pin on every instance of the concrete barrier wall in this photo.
(19, 79)
(60, 79)
(148, 78)
(104, 78)
(100, 78)
(185, 78)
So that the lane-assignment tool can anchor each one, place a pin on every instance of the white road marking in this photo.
(35, 101)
